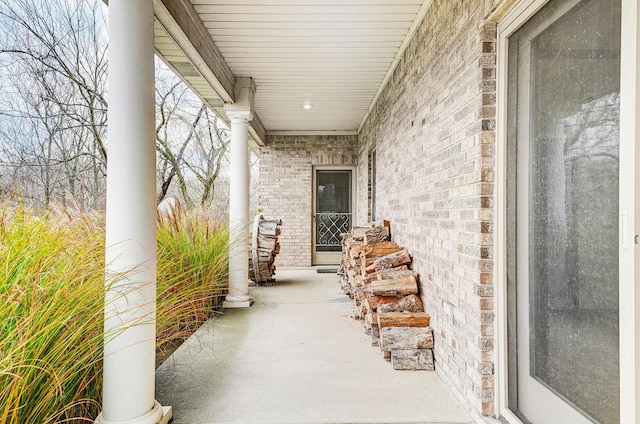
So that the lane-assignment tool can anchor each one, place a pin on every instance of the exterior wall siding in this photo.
(433, 132)
(286, 186)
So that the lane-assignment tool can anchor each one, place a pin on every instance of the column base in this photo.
(158, 415)
(243, 301)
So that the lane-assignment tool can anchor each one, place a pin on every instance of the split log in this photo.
(359, 294)
(401, 283)
(358, 282)
(357, 305)
(368, 319)
(393, 273)
(369, 267)
(368, 260)
(362, 310)
(371, 323)
(392, 260)
(403, 319)
(263, 269)
(270, 227)
(352, 242)
(354, 263)
(265, 255)
(380, 274)
(375, 331)
(360, 300)
(382, 251)
(378, 233)
(410, 303)
(403, 338)
(412, 359)
(344, 283)
(358, 233)
(377, 249)
(357, 312)
(267, 243)
(373, 303)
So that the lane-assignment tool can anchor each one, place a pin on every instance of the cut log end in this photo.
(412, 359)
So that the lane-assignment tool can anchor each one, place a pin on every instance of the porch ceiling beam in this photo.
(258, 131)
(181, 21)
(309, 133)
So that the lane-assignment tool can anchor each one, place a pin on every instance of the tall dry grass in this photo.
(193, 266)
(51, 305)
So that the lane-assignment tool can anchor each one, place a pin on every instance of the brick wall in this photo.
(433, 131)
(286, 185)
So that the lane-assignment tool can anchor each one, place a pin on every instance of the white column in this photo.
(130, 299)
(240, 114)
(238, 296)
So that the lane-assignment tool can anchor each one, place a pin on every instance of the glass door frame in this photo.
(509, 16)
(329, 258)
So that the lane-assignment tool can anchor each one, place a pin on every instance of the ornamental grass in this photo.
(51, 305)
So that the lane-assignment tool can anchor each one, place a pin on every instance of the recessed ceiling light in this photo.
(307, 105)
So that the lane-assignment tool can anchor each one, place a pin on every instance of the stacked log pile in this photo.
(264, 248)
(376, 273)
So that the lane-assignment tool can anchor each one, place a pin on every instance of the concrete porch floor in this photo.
(296, 356)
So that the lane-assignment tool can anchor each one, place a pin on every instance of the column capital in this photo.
(238, 115)
(242, 108)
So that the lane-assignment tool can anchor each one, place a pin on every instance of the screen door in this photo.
(333, 208)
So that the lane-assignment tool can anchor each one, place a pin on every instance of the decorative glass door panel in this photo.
(563, 137)
(333, 213)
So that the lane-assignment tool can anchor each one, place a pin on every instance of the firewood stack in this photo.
(375, 273)
(264, 248)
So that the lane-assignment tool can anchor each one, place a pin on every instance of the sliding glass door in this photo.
(563, 140)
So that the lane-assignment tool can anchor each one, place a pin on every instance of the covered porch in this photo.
(421, 109)
(297, 356)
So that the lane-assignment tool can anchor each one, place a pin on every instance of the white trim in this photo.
(518, 14)
(284, 132)
(629, 203)
(500, 276)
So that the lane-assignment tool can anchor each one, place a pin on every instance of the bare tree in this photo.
(191, 141)
(53, 135)
(171, 162)
(53, 55)
(210, 157)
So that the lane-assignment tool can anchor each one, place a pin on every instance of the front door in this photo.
(563, 140)
(333, 210)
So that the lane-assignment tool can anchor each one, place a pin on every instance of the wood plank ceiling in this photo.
(332, 54)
